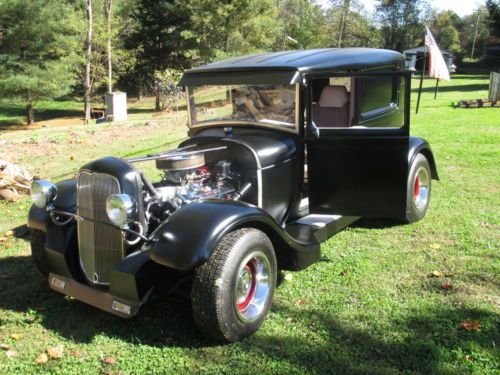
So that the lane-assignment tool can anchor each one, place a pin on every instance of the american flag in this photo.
(437, 66)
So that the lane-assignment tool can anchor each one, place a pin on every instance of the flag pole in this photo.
(436, 88)
(421, 79)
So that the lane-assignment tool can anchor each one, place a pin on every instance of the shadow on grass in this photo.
(426, 341)
(419, 343)
(372, 223)
(23, 289)
(461, 88)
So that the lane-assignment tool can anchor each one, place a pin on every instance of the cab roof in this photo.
(290, 65)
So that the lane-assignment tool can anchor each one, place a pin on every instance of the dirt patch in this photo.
(37, 149)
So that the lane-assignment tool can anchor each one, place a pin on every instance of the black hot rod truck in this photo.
(284, 150)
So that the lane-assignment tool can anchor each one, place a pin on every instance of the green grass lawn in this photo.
(371, 305)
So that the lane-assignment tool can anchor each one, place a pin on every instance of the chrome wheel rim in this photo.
(252, 287)
(421, 189)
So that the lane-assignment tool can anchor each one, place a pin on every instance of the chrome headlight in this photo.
(121, 209)
(42, 193)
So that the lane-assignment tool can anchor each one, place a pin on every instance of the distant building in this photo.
(414, 58)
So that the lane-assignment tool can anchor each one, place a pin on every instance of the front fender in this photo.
(419, 145)
(38, 218)
(193, 232)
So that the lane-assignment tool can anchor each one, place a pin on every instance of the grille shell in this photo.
(101, 245)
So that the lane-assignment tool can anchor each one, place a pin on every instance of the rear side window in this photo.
(359, 102)
(375, 93)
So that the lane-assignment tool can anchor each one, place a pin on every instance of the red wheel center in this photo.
(416, 188)
(249, 267)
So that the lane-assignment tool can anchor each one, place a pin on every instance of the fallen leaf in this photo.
(436, 274)
(289, 320)
(470, 325)
(485, 224)
(16, 336)
(288, 277)
(75, 353)
(9, 233)
(435, 246)
(468, 357)
(71, 157)
(298, 302)
(3, 239)
(56, 351)
(109, 360)
(4, 346)
(10, 353)
(447, 286)
(42, 358)
(343, 273)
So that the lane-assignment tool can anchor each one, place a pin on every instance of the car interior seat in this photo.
(332, 109)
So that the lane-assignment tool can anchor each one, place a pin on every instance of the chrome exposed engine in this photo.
(196, 181)
(187, 178)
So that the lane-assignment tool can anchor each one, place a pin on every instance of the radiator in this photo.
(101, 246)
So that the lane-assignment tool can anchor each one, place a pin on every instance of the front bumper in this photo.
(125, 308)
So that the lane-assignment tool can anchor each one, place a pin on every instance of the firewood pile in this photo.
(14, 181)
(478, 103)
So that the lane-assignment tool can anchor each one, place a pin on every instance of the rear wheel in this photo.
(419, 190)
(232, 293)
(38, 254)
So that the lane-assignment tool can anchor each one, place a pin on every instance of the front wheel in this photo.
(232, 293)
(419, 189)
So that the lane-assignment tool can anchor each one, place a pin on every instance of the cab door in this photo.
(358, 163)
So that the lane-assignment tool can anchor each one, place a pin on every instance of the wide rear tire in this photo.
(38, 253)
(232, 292)
(419, 189)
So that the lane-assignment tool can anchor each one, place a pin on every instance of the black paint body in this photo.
(351, 172)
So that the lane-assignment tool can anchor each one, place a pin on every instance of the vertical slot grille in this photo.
(100, 245)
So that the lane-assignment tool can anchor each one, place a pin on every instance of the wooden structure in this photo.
(494, 90)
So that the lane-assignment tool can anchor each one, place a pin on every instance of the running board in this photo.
(315, 228)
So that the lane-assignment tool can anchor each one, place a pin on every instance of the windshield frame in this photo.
(291, 129)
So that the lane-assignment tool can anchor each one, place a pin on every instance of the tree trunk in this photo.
(88, 53)
(107, 11)
(158, 99)
(343, 21)
(30, 115)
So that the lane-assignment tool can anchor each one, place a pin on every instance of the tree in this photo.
(232, 27)
(444, 30)
(161, 41)
(303, 25)
(110, 60)
(493, 7)
(87, 82)
(108, 5)
(475, 32)
(358, 28)
(37, 50)
(343, 20)
(402, 22)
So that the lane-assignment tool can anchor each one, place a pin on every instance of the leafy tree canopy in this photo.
(38, 49)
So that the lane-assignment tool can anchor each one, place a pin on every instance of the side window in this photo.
(359, 102)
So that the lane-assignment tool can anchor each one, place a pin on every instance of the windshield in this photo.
(264, 104)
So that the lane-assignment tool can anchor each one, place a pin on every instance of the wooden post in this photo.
(494, 89)
(436, 88)
(421, 80)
